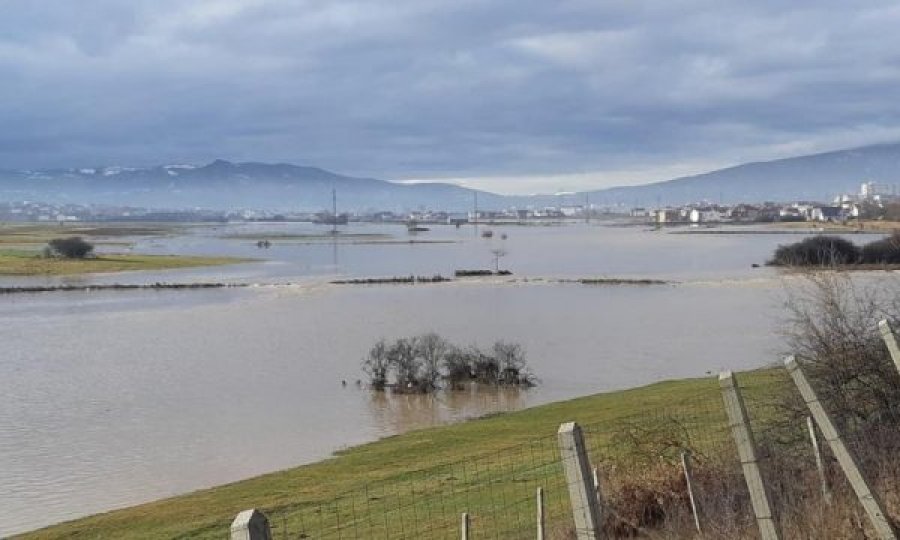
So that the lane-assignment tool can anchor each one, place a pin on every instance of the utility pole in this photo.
(587, 207)
(475, 213)
(333, 211)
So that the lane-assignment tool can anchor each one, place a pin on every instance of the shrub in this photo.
(820, 250)
(833, 329)
(70, 248)
(884, 251)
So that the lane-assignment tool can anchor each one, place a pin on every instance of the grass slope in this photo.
(207, 513)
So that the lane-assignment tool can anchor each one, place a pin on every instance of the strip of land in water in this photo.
(21, 262)
(30, 234)
(340, 238)
(21, 245)
(390, 461)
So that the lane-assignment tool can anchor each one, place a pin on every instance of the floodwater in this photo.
(109, 399)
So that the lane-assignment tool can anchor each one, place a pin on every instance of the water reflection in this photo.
(397, 412)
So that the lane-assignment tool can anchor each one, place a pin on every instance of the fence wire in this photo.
(639, 463)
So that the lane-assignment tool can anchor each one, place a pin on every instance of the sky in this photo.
(513, 96)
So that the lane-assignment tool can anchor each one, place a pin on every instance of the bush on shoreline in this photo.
(884, 251)
(820, 250)
(73, 247)
(830, 251)
(426, 363)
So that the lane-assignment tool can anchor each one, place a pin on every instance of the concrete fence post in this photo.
(251, 525)
(464, 526)
(845, 458)
(541, 522)
(890, 339)
(686, 466)
(583, 495)
(746, 446)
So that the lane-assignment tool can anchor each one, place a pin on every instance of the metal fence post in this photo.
(251, 525)
(686, 466)
(890, 339)
(582, 493)
(464, 526)
(541, 523)
(820, 465)
(743, 438)
(869, 501)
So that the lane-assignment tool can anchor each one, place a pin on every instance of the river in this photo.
(109, 399)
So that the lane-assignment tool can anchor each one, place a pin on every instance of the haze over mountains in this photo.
(225, 185)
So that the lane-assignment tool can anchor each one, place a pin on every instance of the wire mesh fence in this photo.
(497, 490)
(670, 472)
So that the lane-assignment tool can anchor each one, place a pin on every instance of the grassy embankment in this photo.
(389, 462)
(21, 245)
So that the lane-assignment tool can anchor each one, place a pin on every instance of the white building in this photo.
(705, 215)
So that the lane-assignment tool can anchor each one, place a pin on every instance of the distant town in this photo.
(872, 201)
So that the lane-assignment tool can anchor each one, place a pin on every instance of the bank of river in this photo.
(116, 398)
(207, 513)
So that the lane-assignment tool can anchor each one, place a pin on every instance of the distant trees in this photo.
(73, 247)
(428, 362)
(824, 250)
(820, 250)
(884, 251)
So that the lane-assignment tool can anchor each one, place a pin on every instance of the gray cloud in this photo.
(444, 88)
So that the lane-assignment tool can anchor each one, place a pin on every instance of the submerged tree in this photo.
(511, 362)
(402, 358)
(377, 364)
(431, 349)
(423, 363)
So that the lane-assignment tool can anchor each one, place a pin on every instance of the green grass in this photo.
(23, 262)
(21, 244)
(514, 449)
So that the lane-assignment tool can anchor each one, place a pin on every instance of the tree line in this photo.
(825, 250)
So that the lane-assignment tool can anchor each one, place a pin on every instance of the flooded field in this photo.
(113, 398)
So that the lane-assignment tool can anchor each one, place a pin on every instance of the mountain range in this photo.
(226, 185)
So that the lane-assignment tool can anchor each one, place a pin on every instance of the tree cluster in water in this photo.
(428, 362)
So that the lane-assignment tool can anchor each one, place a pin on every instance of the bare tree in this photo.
(457, 366)
(833, 329)
(377, 364)
(510, 359)
(431, 348)
(402, 357)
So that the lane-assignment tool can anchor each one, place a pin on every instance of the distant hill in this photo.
(813, 177)
(225, 185)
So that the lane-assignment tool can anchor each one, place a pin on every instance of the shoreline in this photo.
(361, 281)
(206, 513)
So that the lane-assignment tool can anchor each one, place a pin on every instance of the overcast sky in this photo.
(516, 96)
